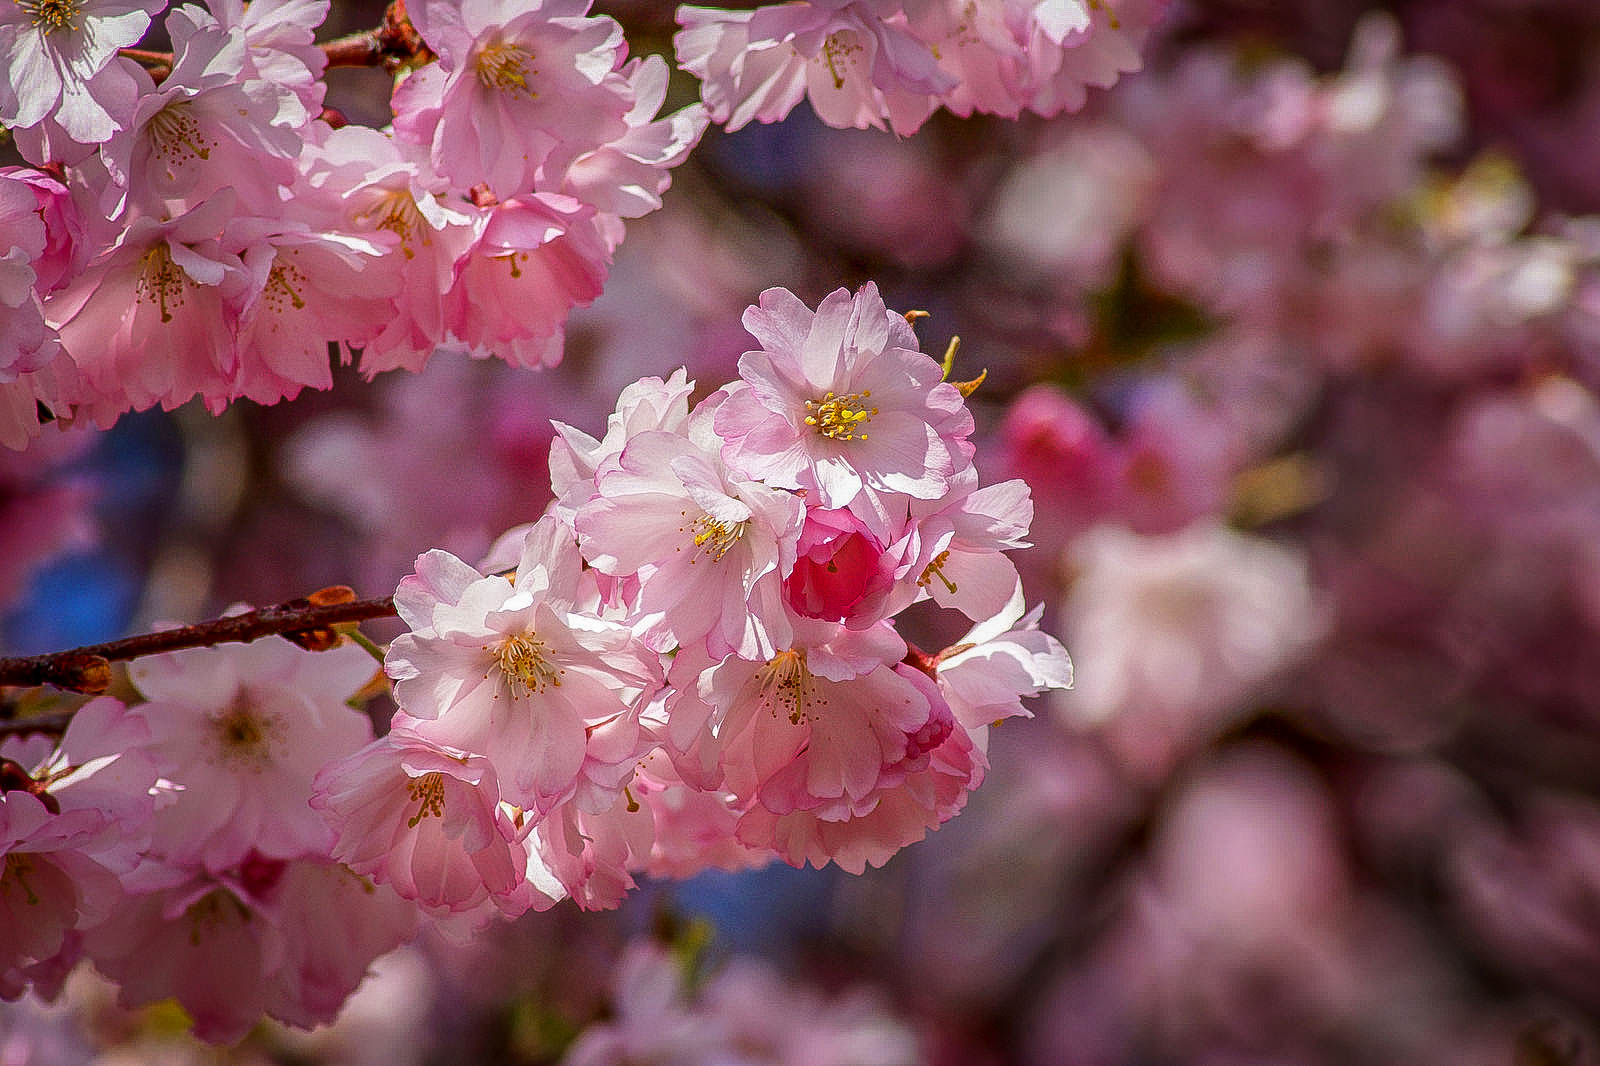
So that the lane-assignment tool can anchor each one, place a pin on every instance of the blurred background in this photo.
(1295, 336)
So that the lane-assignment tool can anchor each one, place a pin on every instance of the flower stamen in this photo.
(48, 16)
(176, 136)
(935, 569)
(161, 281)
(521, 658)
(428, 792)
(841, 417)
(17, 869)
(505, 67)
(786, 686)
(717, 538)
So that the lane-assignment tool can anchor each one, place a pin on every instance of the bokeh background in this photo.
(1295, 336)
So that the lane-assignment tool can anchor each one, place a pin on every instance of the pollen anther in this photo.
(841, 417)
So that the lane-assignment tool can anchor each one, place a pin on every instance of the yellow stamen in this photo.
(397, 212)
(935, 569)
(521, 658)
(505, 67)
(48, 16)
(716, 538)
(841, 417)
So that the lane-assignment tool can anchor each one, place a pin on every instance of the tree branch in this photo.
(393, 45)
(308, 621)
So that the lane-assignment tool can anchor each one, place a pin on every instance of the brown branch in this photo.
(308, 622)
(393, 45)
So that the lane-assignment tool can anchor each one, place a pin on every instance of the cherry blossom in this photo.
(425, 820)
(840, 402)
(509, 669)
(715, 544)
(244, 730)
(519, 91)
(857, 67)
(63, 81)
(67, 840)
(200, 131)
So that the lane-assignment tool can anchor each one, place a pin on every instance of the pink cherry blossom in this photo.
(334, 924)
(1001, 661)
(278, 36)
(588, 855)
(199, 131)
(534, 259)
(425, 820)
(519, 91)
(66, 841)
(627, 176)
(842, 572)
(1181, 630)
(839, 402)
(243, 730)
(366, 184)
(695, 829)
(647, 405)
(61, 77)
(715, 544)
(858, 67)
(1065, 58)
(956, 554)
(49, 884)
(152, 320)
(511, 670)
(26, 343)
(289, 939)
(309, 288)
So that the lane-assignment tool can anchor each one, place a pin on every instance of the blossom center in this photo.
(48, 16)
(213, 910)
(280, 293)
(787, 687)
(175, 136)
(505, 68)
(521, 658)
(398, 213)
(839, 51)
(427, 792)
(716, 538)
(161, 281)
(244, 735)
(841, 417)
(935, 569)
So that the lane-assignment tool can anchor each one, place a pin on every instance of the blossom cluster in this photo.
(171, 843)
(213, 233)
(690, 661)
(876, 62)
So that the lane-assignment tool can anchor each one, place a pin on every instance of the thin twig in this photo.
(392, 45)
(88, 669)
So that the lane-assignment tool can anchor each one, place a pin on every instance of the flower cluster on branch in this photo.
(690, 661)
